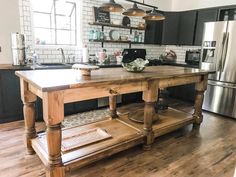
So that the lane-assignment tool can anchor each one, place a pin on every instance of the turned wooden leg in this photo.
(149, 96)
(200, 89)
(198, 107)
(54, 136)
(149, 111)
(28, 99)
(53, 112)
(112, 106)
(30, 131)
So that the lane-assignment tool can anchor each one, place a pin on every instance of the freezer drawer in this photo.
(220, 99)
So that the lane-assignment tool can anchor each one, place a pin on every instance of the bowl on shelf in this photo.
(124, 38)
(116, 22)
(136, 66)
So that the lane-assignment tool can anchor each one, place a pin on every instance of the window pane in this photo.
(55, 25)
(44, 36)
(66, 37)
(64, 8)
(63, 22)
(73, 20)
(42, 5)
(42, 20)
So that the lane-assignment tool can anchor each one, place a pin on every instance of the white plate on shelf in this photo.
(114, 35)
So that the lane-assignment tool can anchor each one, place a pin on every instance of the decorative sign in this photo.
(101, 16)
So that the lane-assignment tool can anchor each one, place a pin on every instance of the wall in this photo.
(181, 5)
(9, 22)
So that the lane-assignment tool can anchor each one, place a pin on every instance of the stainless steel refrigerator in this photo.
(219, 54)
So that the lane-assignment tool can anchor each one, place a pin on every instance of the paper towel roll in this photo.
(85, 55)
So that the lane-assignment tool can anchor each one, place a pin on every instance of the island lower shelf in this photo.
(168, 120)
(123, 137)
(124, 134)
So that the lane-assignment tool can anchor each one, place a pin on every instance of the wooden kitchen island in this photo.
(57, 87)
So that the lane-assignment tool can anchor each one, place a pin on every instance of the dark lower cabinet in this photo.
(170, 28)
(187, 21)
(87, 105)
(183, 92)
(10, 97)
(205, 15)
(1, 99)
(132, 98)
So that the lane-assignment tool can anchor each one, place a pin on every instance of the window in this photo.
(55, 22)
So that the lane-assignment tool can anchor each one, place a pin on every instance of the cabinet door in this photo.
(12, 104)
(170, 28)
(1, 100)
(153, 32)
(183, 92)
(87, 105)
(187, 27)
(206, 15)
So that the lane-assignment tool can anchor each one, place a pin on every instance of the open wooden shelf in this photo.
(116, 26)
(169, 120)
(118, 41)
(123, 137)
(111, 41)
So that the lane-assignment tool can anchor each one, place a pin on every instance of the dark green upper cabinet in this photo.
(187, 22)
(205, 15)
(153, 32)
(170, 28)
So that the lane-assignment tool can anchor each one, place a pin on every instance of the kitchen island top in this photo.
(51, 80)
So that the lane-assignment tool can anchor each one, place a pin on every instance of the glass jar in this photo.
(136, 38)
(226, 16)
(140, 37)
(102, 35)
(234, 14)
(95, 35)
(91, 32)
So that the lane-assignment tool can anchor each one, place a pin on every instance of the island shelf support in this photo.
(112, 106)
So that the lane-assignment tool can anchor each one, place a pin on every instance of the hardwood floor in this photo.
(208, 151)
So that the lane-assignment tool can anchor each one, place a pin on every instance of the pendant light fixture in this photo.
(154, 16)
(111, 6)
(134, 11)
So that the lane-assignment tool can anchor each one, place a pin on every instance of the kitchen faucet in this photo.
(62, 55)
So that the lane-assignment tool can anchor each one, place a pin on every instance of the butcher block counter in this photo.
(64, 149)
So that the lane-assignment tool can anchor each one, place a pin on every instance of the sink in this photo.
(52, 64)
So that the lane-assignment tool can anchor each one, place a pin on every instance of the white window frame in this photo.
(79, 22)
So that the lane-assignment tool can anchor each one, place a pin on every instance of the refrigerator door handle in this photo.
(219, 61)
(225, 51)
(220, 84)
